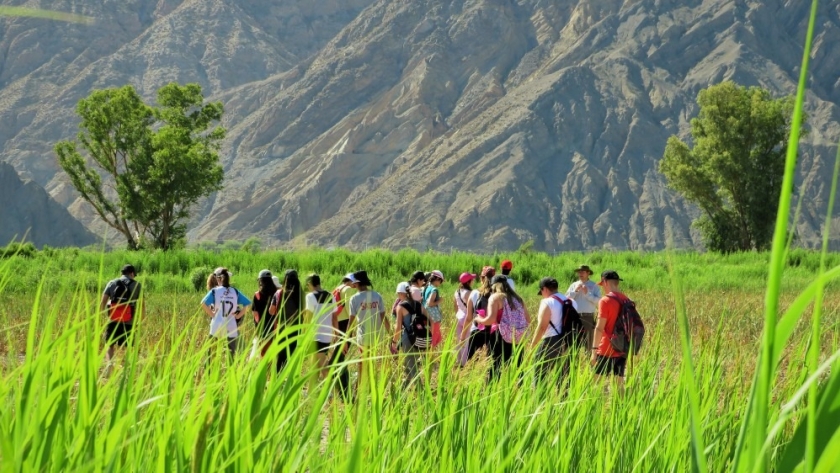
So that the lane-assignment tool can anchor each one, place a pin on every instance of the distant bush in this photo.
(26, 250)
(198, 277)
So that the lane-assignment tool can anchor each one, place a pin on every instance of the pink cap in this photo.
(466, 277)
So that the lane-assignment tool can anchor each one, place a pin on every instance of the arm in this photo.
(401, 312)
(468, 320)
(543, 318)
(103, 303)
(434, 298)
(492, 311)
(272, 308)
(385, 321)
(596, 338)
(207, 310)
(334, 322)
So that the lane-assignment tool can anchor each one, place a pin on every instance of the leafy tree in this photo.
(154, 163)
(734, 171)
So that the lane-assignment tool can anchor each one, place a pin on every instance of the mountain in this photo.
(476, 124)
(29, 213)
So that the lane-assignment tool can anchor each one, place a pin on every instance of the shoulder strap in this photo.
(562, 313)
(461, 298)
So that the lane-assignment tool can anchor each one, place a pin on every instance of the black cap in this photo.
(610, 274)
(548, 282)
(363, 278)
(128, 269)
(499, 278)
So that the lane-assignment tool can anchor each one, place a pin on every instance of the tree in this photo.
(157, 161)
(734, 171)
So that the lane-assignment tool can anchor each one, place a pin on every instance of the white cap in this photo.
(402, 288)
(351, 278)
(276, 280)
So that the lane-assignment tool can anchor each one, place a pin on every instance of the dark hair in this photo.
(417, 276)
(506, 271)
(313, 279)
(223, 279)
(465, 285)
(267, 286)
(291, 296)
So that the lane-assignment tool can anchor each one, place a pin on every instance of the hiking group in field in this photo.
(489, 316)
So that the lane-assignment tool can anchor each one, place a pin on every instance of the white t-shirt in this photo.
(225, 305)
(461, 298)
(556, 308)
(322, 314)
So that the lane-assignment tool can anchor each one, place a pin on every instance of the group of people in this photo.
(489, 315)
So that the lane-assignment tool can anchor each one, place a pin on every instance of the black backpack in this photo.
(629, 330)
(573, 332)
(418, 329)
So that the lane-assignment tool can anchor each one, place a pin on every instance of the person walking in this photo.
(120, 299)
(462, 294)
(417, 283)
(266, 324)
(320, 306)
(507, 267)
(412, 334)
(225, 306)
(367, 319)
(607, 362)
(479, 336)
(508, 317)
(431, 301)
(548, 336)
(586, 294)
(286, 306)
(342, 295)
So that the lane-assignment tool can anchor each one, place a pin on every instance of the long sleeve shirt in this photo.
(586, 303)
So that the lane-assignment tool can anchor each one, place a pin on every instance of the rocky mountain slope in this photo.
(474, 124)
(35, 216)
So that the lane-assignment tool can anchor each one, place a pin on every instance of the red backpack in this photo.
(121, 309)
(337, 298)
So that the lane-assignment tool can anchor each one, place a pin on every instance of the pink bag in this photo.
(512, 324)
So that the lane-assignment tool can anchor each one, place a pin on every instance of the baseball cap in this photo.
(221, 270)
(609, 275)
(466, 277)
(128, 269)
(351, 277)
(507, 264)
(488, 271)
(499, 278)
(402, 288)
(548, 282)
(437, 274)
(264, 274)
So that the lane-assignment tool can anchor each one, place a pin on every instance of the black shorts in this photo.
(323, 347)
(610, 366)
(118, 333)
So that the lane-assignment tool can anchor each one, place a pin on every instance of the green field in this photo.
(163, 409)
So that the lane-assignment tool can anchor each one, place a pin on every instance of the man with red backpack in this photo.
(120, 299)
(342, 295)
(618, 333)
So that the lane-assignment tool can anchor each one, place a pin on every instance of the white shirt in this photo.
(556, 308)
(225, 305)
(322, 314)
(587, 303)
(461, 298)
(511, 283)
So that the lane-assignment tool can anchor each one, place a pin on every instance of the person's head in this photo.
(363, 281)
(465, 280)
(313, 282)
(487, 274)
(610, 280)
(128, 271)
(403, 289)
(436, 278)
(418, 279)
(548, 286)
(500, 285)
(222, 277)
(349, 280)
(266, 282)
(583, 273)
(507, 266)
(291, 281)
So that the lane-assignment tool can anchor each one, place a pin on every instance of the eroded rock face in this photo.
(29, 213)
(448, 124)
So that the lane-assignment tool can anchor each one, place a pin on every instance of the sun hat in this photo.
(488, 271)
(507, 264)
(584, 267)
(437, 274)
(466, 277)
(402, 288)
(548, 282)
(609, 275)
